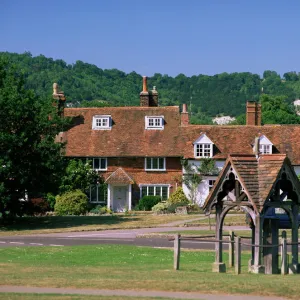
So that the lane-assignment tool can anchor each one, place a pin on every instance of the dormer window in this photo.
(102, 122)
(154, 122)
(265, 145)
(203, 147)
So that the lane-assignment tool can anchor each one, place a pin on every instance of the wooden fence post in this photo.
(237, 246)
(284, 260)
(231, 249)
(176, 251)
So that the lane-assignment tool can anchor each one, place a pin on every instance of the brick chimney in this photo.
(144, 94)
(59, 98)
(253, 114)
(153, 97)
(185, 119)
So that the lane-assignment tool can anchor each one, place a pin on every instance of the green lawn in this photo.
(51, 224)
(138, 268)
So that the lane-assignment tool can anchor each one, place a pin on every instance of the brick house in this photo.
(138, 150)
(135, 149)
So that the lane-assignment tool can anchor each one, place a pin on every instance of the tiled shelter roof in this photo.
(256, 175)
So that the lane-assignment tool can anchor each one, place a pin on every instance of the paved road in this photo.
(131, 293)
(128, 237)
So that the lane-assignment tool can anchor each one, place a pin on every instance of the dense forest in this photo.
(207, 96)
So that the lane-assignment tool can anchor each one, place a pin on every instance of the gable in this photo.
(203, 139)
(263, 140)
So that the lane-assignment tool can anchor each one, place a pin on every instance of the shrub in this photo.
(36, 206)
(178, 197)
(172, 207)
(71, 203)
(147, 202)
(160, 207)
(51, 200)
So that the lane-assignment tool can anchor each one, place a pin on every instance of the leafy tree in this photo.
(30, 160)
(193, 175)
(78, 175)
(275, 110)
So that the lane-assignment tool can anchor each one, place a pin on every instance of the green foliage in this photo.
(99, 210)
(78, 175)
(147, 202)
(51, 200)
(160, 207)
(30, 160)
(276, 110)
(178, 197)
(71, 203)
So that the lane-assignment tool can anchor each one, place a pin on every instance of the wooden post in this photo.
(209, 222)
(284, 261)
(231, 249)
(176, 251)
(294, 265)
(238, 253)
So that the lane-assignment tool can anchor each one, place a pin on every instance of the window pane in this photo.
(96, 163)
(150, 122)
(104, 122)
(144, 191)
(164, 193)
(103, 163)
(93, 193)
(148, 163)
(155, 163)
(158, 191)
(150, 190)
(161, 163)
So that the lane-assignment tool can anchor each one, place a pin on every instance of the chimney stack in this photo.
(60, 96)
(153, 97)
(253, 114)
(144, 94)
(185, 119)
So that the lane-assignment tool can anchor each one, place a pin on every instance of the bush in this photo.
(147, 202)
(172, 207)
(178, 197)
(100, 210)
(160, 207)
(36, 206)
(71, 203)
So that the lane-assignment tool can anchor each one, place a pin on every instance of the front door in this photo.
(120, 199)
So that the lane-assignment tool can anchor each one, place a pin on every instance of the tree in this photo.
(78, 175)
(194, 175)
(30, 160)
(275, 110)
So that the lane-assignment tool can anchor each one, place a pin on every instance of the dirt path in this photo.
(130, 293)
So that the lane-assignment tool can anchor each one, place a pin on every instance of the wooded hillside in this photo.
(207, 96)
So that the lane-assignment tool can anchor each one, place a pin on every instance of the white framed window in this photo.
(101, 122)
(161, 190)
(155, 163)
(203, 150)
(211, 183)
(98, 193)
(154, 122)
(99, 163)
(265, 149)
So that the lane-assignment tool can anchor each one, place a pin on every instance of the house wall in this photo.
(135, 168)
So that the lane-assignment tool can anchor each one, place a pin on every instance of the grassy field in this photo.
(228, 221)
(52, 224)
(134, 268)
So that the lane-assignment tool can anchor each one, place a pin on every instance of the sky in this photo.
(159, 36)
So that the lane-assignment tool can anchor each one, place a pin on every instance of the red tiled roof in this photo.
(240, 139)
(119, 176)
(128, 136)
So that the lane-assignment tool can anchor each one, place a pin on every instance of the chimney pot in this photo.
(185, 119)
(145, 89)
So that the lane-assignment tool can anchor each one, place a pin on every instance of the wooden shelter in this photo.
(256, 184)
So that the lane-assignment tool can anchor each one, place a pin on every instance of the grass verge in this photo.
(134, 268)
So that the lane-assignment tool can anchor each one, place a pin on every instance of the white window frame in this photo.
(203, 153)
(154, 122)
(101, 122)
(265, 148)
(97, 193)
(100, 158)
(152, 159)
(155, 186)
(210, 183)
